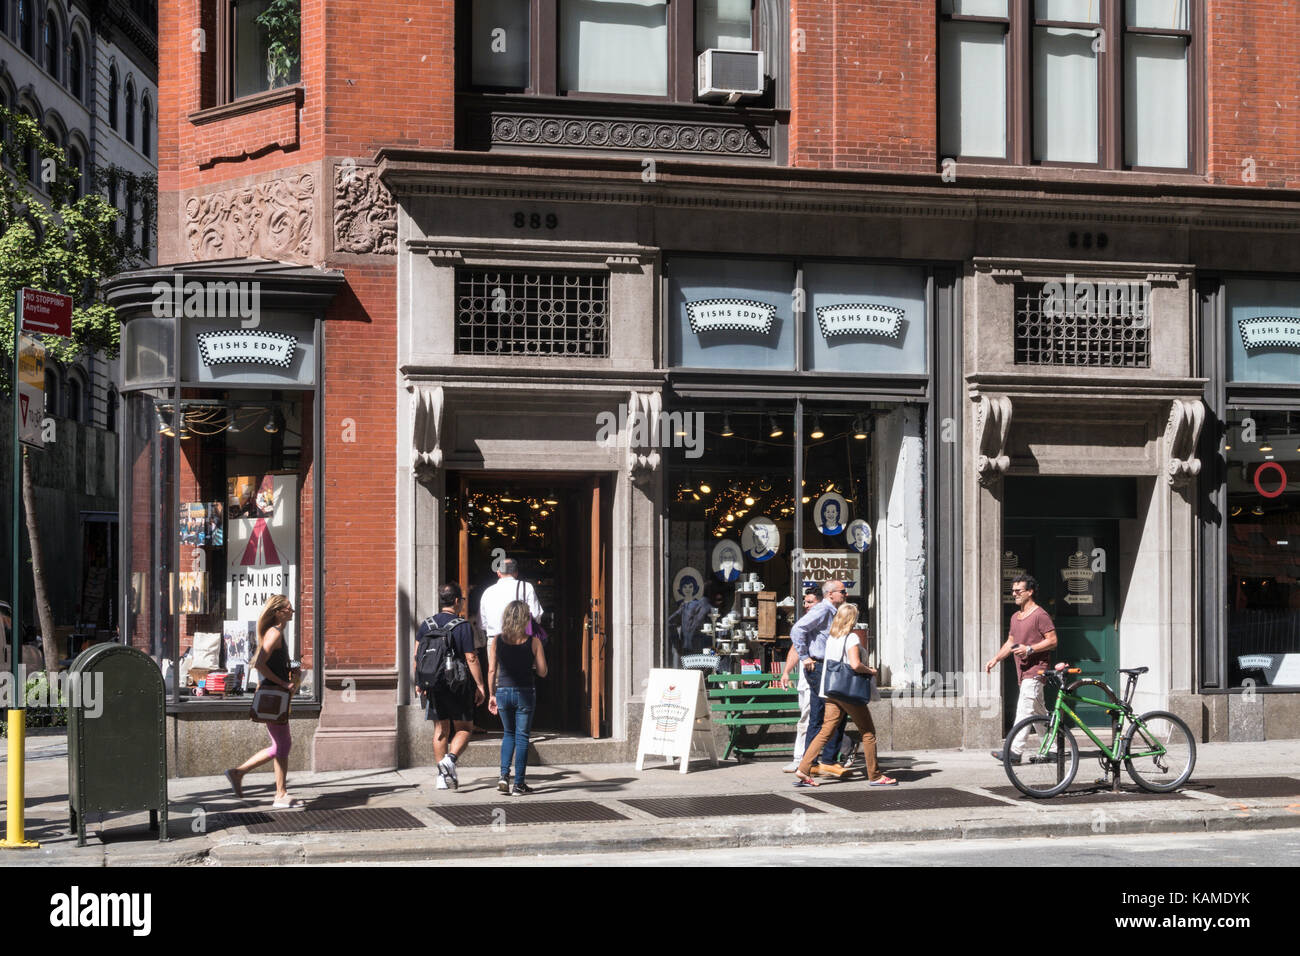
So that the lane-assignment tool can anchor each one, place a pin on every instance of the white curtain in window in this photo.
(1156, 14)
(1065, 96)
(976, 8)
(614, 46)
(500, 43)
(973, 89)
(1155, 101)
(724, 25)
(1071, 11)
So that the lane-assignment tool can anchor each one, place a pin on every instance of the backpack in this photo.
(439, 665)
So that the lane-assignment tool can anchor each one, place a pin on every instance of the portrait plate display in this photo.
(761, 538)
(688, 584)
(830, 512)
(859, 535)
(728, 560)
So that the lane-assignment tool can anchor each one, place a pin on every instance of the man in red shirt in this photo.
(1031, 638)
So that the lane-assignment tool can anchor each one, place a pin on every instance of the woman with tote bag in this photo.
(846, 687)
(272, 663)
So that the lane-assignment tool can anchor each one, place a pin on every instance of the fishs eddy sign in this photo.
(246, 346)
(859, 318)
(730, 315)
(1270, 332)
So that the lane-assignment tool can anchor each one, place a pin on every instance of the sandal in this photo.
(290, 804)
(882, 781)
(805, 780)
(235, 784)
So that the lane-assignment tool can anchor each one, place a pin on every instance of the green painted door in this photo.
(1076, 562)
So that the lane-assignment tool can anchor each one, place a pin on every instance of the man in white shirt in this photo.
(508, 588)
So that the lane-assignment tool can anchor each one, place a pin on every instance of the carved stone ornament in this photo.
(365, 214)
(708, 139)
(643, 460)
(426, 437)
(1181, 437)
(270, 220)
(992, 423)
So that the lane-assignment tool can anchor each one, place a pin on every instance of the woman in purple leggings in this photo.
(272, 662)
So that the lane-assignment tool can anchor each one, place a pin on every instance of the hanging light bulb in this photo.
(543, 512)
(690, 485)
(165, 427)
(532, 527)
(776, 431)
(695, 496)
(859, 428)
(704, 487)
(272, 423)
(1257, 510)
(749, 501)
(551, 499)
(727, 430)
(730, 518)
(1266, 445)
(487, 509)
(817, 429)
(805, 499)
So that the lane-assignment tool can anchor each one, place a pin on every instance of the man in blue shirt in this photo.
(809, 636)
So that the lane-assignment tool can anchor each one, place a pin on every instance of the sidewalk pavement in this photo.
(842, 811)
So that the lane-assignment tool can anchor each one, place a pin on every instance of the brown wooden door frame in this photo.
(594, 629)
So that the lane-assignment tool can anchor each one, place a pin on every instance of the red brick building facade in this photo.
(396, 165)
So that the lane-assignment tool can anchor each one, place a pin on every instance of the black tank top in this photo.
(514, 663)
(277, 662)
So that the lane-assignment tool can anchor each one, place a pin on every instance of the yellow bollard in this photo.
(15, 798)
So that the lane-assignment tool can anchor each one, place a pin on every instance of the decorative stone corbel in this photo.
(426, 437)
(992, 423)
(1182, 435)
(643, 410)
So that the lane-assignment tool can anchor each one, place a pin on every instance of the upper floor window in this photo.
(51, 44)
(1072, 82)
(77, 159)
(146, 124)
(26, 27)
(76, 69)
(130, 112)
(112, 97)
(262, 44)
(641, 48)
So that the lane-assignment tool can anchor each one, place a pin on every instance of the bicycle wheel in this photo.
(1164, 752)
(1048, 774)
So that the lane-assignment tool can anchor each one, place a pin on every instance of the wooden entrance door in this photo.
(596, 620)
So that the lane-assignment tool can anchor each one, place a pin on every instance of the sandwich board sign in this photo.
(676, 714)
(31, 391)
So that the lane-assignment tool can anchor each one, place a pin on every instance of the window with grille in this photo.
(532, 313)
(1099, 324)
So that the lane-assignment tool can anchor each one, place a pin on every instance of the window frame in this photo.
(544, 56)
(129, 132)
(114, 84)
(51, 34)
(1113, 25)
(76, 78)
(225, 52)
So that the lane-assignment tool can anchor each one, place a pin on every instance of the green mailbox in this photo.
(117, 736)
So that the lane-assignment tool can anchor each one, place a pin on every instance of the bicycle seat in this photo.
(1134, 670)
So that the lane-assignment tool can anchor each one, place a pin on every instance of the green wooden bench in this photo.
(738, 707)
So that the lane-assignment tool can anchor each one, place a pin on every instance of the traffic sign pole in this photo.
(15, 803)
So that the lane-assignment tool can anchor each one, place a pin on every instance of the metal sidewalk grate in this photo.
(318, 821)
(749, 804)
(1090, 793)
(1242, 787)
(508, 814)
(863, 799)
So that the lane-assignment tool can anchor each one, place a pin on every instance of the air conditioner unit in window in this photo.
(729, 74)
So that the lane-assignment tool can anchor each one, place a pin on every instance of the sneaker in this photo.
(441, 784)
(447, 772)
(791, 767)
(849, 761)
(521, 789)
(503, 785)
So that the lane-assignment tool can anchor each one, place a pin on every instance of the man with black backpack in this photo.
(449, 678)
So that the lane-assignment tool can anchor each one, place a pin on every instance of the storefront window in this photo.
(1263, 331)
(746, 314)
(735, 522)
(243, 527)
(148, 520)
(1263, 532)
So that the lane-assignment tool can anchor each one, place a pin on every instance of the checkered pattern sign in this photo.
(730, 315)
(1270, 332)
(247, 347)
(860, 318)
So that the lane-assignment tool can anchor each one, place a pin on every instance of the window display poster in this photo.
(240, 638)
(822, 566)
(262, 550)
(193, 523)
(194, 592)
(239, 495)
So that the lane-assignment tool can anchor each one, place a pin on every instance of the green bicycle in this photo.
(1156, 748)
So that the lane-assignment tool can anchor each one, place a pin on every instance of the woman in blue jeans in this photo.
(512, 660)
